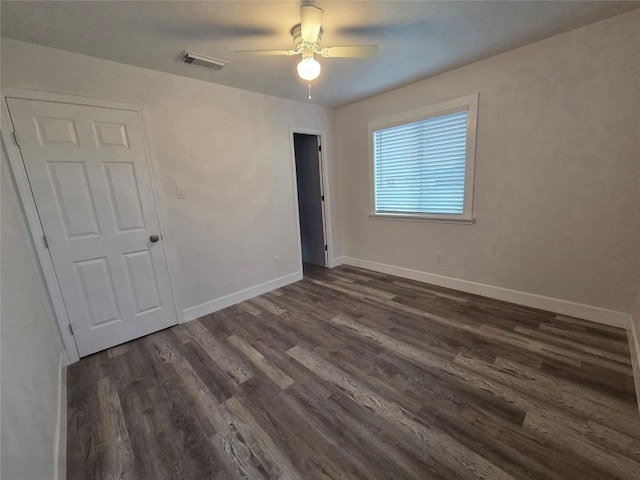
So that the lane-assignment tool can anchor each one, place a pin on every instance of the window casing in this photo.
(422, 162)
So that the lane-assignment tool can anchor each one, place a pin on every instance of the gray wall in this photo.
(30, 350)
(557, 168)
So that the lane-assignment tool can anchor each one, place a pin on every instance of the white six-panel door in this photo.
(90, 179)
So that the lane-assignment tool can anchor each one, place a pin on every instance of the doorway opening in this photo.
(311, 199)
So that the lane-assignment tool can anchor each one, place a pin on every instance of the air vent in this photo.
(203, 61)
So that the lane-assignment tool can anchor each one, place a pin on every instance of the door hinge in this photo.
(71, 329)
(15, 138)
(322, 198)
(319, 147)
(325, 248)
(44, 240)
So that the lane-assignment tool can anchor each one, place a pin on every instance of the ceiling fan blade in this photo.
(350, 51)
(266, 52)
(310, 23)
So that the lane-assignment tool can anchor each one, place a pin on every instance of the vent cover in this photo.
(203, 61)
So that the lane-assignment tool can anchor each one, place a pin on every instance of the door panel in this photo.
(110, 134)
(73, 198)
(90, 179)
(144, 281)
(98, 291)
(124, 195)
(52, 131)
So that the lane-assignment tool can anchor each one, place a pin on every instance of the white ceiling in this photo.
(417, 39)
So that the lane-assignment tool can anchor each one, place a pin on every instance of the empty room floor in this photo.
(351, 374)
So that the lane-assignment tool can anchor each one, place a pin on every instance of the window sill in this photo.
(421, 218)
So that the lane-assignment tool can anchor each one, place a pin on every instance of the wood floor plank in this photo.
(468, 428)
(562, 436)
(398, 442)
(218, 381)
(386, 457)
(351, 374)
(590, 338)
(257, 359)
(451, 453)
(83, 417)
(238, 459)
(151, 449)
(222, 355)
(319, 420)
(265, 447)
(114, 443)
(565, 397)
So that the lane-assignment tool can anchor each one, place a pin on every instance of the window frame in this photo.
(467, 103)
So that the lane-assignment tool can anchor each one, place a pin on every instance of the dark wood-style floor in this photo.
(351, 374)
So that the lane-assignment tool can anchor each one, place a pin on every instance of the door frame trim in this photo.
(33, 219)
(324, 177)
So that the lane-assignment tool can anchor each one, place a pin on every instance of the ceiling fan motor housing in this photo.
(307, 49)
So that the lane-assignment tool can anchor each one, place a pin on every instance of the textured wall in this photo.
(30, 349)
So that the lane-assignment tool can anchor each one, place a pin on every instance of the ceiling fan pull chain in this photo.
(309, 89)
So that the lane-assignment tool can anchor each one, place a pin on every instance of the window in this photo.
(423, 162)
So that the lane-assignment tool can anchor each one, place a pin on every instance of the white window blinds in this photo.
(420, 167)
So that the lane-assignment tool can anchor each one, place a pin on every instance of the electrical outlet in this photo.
(276, 261)
(439, 257)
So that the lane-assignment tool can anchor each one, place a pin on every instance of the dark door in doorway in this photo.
(307, 153)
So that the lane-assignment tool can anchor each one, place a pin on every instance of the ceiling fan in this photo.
(306, 40)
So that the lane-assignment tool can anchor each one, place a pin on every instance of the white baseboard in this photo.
(336, 262)
(634, 346)
(60, 447)
(206, 308)
(555, 305)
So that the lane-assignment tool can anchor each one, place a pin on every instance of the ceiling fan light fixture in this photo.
(309, 68)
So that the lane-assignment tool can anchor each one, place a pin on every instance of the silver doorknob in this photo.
(154, 238)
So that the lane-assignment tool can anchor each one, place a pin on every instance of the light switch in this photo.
(182, 191)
